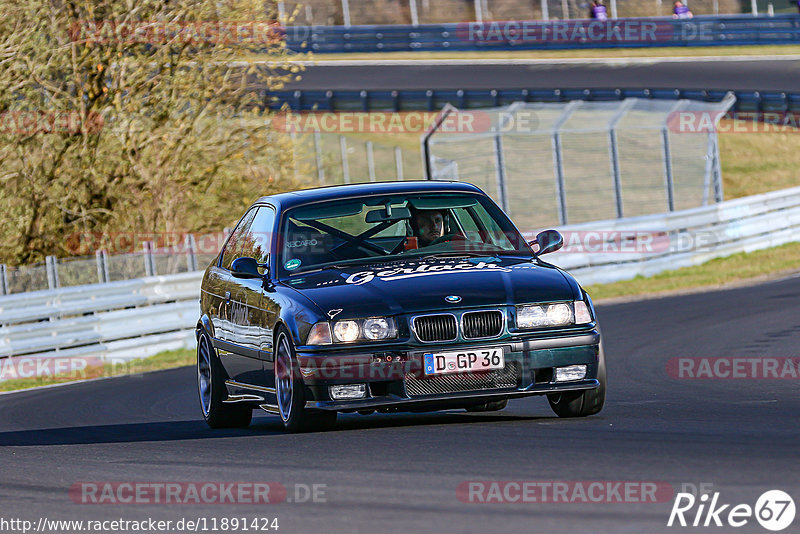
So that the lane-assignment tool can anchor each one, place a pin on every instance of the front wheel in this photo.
(582, 403)
(211, 387)
(289, 390)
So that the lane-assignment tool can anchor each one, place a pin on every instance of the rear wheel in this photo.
(289, 390)
(212, 390)
(582, 403)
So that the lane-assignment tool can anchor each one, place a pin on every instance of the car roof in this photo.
(335, 192)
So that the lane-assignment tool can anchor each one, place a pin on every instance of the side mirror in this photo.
(549, 241)
(245, 268)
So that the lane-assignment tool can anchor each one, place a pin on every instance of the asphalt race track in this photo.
(741, 74)
(399, 473)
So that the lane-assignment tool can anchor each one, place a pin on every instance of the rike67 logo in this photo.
(774, 510)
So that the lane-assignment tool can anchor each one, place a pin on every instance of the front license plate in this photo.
(438, 363)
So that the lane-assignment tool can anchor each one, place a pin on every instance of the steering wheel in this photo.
(447, 238)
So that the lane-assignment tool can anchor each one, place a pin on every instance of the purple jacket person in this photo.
(681, 11)
(599, 11)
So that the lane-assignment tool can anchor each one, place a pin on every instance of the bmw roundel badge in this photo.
(452, 298)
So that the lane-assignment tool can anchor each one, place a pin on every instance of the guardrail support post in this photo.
(102, 277)
(370, 161)
(718, 192)
(149, 260)
(398, 161)
(51, 266)
(345, 163)
(191, 252)
(3, 279)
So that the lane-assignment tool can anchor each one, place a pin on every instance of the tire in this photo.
(492, 406)
(290, 391)
(212, 391)
(582, 403)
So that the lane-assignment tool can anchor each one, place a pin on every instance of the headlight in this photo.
(378, 328)
(346, 331)
(372, 329)
(545, 315)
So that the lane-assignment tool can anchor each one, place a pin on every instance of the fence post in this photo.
(613, 147)
(346, 12)
(370, 161)
(3, 280)
(754, 7)
(318, 157)
(545, 10)
(398, 161)
(614, 9)
(709, 170)
(345, 164)
(149, 261)
(294, 156)
(667, 149)
(282, 13)
(414, 15)
(478, 11)
(558, 162)
(564, 9)
(191, 253)
(51, 266)
(105, 265)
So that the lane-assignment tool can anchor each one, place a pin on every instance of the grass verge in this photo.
(163, 360)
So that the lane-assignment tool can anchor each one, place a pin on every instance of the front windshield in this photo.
(388, 228)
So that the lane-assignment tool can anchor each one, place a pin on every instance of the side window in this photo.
(234, 245)
(257, 241)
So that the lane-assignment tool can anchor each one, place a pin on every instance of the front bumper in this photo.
(395, 381)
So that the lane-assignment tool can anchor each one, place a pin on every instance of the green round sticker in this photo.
(292, 264)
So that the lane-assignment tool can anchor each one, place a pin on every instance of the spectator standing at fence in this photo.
(681, 11)
(598, 11)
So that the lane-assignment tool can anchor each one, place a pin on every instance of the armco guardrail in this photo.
(548, 35)
(138, 318)
(621, 249)
(435, 99)
(103, 322)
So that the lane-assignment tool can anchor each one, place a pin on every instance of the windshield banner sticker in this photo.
(402, 273)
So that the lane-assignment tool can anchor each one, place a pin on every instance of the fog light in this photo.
(568, 374)
(349, 391)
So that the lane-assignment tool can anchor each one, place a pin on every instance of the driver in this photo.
(429, 225)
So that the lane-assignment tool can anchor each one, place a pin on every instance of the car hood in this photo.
(417, 286)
